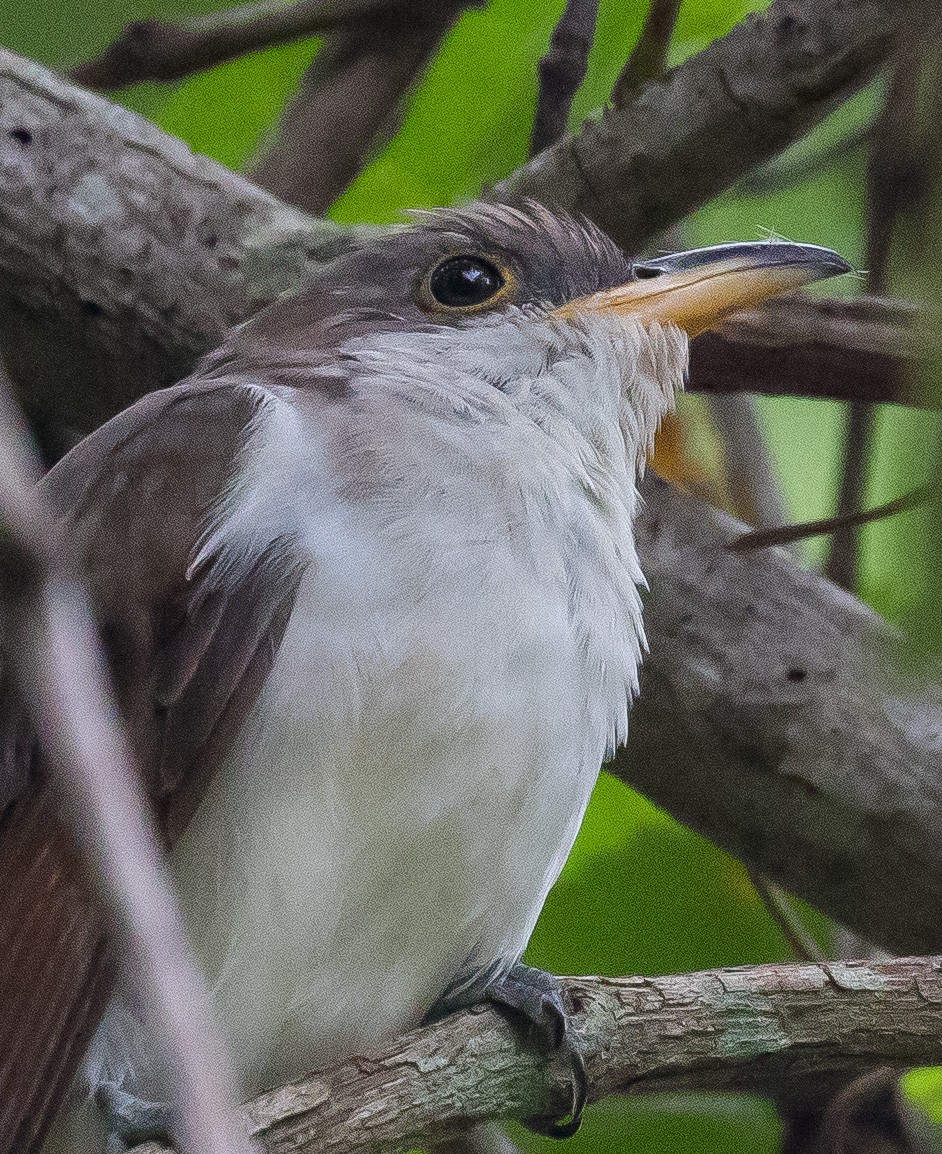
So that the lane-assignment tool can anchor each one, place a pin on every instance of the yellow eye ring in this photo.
(465, 283)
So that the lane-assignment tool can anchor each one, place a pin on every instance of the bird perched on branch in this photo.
(369, 589)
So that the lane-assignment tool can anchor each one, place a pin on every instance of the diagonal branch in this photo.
(788, 1031)
(721, 113)
(351, 101)
(789, 724)
(162, 50)
(51, 634)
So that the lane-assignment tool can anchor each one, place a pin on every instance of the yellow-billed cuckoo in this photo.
(369, 589)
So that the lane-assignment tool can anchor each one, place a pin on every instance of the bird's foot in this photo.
(535, 997)
(131, 1120)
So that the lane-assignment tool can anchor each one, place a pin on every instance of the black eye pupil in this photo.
(461, 281)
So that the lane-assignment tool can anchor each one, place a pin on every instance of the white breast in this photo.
(413, 776)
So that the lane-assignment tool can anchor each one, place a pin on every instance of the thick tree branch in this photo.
(784, 1030)
(351, 101)
(788, 723)
(861, 349)
(122, 255)
(718, 115)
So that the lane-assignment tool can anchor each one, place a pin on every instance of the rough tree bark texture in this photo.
(641, 167)
(123, 256)
(787, 722)
(134, 256)
(765, 1029)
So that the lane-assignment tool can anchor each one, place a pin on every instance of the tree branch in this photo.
(890, 177)
(718, 115)
(162, 50)
(351, 100)
(648, 59)
(51, 637)
(562, 71)
(789, 724)
(788, 1031)
(861, 349)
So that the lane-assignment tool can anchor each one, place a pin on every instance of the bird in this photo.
(368, 587)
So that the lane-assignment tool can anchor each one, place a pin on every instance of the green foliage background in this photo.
(640, 893)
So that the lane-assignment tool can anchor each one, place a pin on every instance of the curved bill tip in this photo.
(696, 290)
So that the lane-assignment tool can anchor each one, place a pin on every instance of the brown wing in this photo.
(188, 663)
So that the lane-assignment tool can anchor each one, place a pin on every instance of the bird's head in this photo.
(498, 308)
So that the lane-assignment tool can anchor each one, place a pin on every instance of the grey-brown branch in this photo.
(351, 100)
(646, 164)
(788, 1031)
(164, 50)
(158, 251)
(562, 71)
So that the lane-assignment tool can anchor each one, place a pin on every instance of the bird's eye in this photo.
(465, 281)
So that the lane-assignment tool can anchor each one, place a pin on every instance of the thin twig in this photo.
(787, 534)
(162, 50)
(648, 60)
(780, 907)
(58, 659)
(788, 170)
(751, 474)
(562, 71)
(889, 174)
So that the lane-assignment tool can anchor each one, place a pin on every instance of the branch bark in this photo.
(351, 101)
(863, 349)
(562, 71)
(162, 50)
(783, 1030)
(743, 99)
(789, 724)
(648, 59)
(158, 50)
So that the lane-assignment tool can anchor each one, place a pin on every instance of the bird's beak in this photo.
(698, 289)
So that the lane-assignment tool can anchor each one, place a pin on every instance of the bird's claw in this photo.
(535, 997)
(131, 1120)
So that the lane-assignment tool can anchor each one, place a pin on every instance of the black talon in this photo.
(536, 997)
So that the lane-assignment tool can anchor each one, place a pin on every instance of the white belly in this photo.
(411, 780)
(397, 818)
